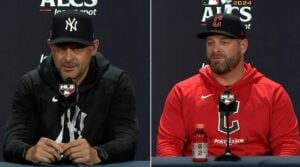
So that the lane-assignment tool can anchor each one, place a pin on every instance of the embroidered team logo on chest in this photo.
(234, 124)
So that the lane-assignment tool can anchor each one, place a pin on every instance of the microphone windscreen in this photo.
(68, 88)
(69, 80)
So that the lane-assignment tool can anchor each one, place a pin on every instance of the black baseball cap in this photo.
(72, 26)
(225, 24)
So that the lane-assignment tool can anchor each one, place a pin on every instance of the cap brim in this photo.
(66, 39)
(203, 35)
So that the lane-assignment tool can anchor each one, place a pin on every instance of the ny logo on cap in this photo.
(71, 25)
(217, 20)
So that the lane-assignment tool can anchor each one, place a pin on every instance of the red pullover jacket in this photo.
(264, 123)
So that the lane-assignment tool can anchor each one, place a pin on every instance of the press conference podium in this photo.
(247, 161)
(121, 164)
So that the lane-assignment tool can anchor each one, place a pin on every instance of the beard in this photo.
(224, 65)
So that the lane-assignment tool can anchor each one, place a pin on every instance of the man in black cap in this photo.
(75, 107)
(263, 122)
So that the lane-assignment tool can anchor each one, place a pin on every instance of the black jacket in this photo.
(106, 97)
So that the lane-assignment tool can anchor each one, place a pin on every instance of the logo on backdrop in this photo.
(56, 6)
(240, 8)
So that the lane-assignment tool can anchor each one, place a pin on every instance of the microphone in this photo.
(227, 105)
(68, 91)
(69, 94)
(227, 102)
(67, 88)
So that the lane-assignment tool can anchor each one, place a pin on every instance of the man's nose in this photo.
(69, 55)
(216, 47)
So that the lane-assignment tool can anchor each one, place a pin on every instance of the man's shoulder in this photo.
(268, 82)
(32, 76)
(192, 80)
(108, 70)
(29, 81)
(113, 73)
(267, 86)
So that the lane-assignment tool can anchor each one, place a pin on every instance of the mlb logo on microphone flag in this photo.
(67, 89)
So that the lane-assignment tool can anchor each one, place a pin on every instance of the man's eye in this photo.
(61, 48)
(209, 43)
(225, 42)
(77, 48)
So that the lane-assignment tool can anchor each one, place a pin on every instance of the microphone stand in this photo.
(69, 94)
(228, 155)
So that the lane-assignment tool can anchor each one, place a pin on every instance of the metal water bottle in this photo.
(200, 147)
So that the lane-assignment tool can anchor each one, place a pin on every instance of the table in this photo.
(247, 161)
(121, 164)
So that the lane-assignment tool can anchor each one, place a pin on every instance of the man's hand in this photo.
(80, 151)
(45, 150)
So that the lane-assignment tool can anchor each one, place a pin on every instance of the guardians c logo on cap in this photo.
(217, 21)
(225, 24)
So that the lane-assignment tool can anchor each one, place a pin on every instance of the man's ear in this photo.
(95, 46)
(244, 46)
